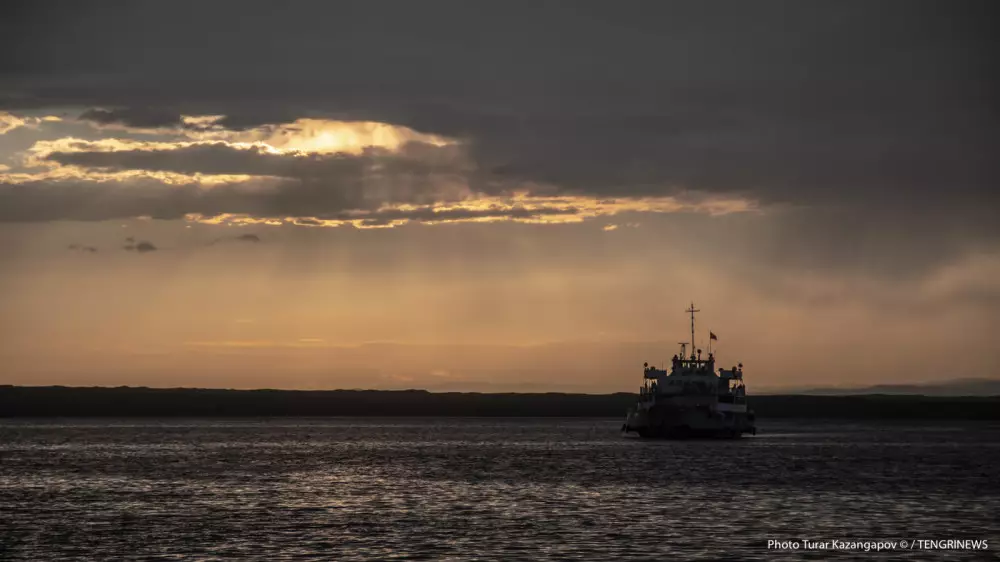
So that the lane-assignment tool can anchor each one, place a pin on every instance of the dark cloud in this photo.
(415, 160)
(52, 200)
(317, 185)
(789, 102)
(133, 117)
(142, 247)
(247, 238)
(79, 248)
(387, 216)
(878, 120)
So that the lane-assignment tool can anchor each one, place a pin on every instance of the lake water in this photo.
(453, 488)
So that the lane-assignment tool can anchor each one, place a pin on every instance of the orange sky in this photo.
(465, 306)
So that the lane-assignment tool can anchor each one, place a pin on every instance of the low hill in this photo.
(956, 387)
(56, 401)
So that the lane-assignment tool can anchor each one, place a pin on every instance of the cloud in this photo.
(9, 122)
(79, 248)
(248, 238)
(142, 247)
(876, 137)
(373, 186)
(294, 135)
(220, 158)
(141, 118)
(803, 106)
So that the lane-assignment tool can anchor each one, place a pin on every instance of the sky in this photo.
(497, 196)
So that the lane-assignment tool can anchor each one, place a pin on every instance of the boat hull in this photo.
(668, 422)
(686, 432)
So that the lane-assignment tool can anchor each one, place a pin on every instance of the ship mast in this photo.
(692, 310)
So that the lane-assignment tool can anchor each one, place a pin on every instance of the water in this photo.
(452, 488)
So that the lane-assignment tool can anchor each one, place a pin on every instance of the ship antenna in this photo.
(692, 310)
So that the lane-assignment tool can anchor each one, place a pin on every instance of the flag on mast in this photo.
(712, 336)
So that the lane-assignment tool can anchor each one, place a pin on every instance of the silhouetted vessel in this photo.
(691, 400)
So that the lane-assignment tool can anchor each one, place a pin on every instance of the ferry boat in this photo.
(691, 399)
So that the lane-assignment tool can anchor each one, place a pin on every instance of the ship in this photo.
(691, 400)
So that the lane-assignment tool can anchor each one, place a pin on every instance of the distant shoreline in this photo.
(60, 401)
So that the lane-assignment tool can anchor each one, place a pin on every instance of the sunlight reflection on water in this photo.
(350, 489)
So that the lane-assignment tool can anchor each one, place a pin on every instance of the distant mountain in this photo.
(955, 387)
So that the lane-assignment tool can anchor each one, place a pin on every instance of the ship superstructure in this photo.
(691, 399)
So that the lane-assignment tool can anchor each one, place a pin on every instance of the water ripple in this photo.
(350, 489)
